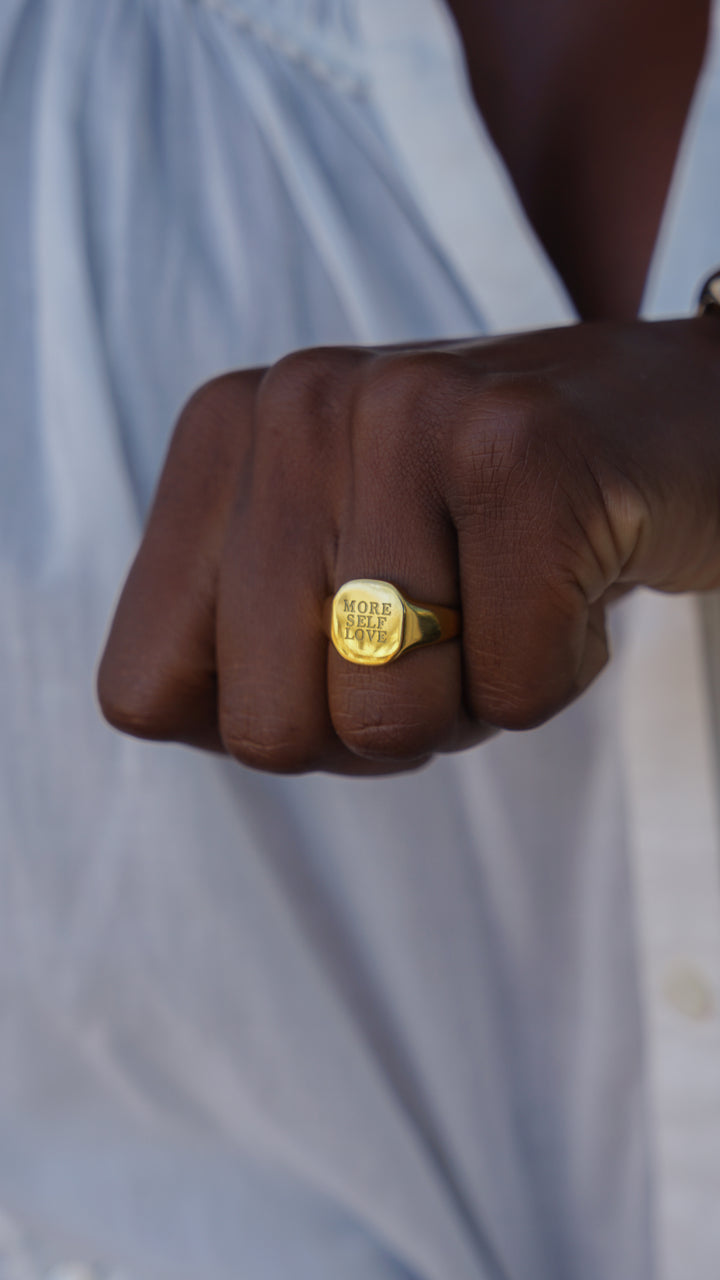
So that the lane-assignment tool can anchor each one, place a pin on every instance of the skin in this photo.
(586, 100)
(528, 479)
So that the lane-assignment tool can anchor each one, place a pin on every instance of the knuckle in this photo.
(413, 375)
(153, 690)
(302, 399)
(503, 446)
(130, 705)
(307, 379)
(214, 404)
(367, 734)
(518, 706)
(406, 401)
(211, 437)
(266, 745)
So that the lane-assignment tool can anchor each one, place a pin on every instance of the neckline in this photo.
(687, 247)
(420, 88)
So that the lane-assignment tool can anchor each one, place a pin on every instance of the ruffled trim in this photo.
(319, 35)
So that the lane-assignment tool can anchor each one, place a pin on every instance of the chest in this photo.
(586, 101)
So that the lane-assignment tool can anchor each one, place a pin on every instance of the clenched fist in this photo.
(526, 480)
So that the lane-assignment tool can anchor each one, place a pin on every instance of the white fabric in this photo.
(476, 1035)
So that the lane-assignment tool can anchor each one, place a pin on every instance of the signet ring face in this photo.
(371, 623)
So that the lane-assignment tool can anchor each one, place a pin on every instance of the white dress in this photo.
(475, 1037)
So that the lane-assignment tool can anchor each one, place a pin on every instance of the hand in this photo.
(526, 479)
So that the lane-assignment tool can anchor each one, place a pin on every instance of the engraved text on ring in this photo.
(365, 619)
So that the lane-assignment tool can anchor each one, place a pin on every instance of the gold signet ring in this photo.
(371, 623)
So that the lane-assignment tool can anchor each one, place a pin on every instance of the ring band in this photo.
(371, 623)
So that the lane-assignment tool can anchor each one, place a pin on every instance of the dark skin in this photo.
(586, 103)
(527, 479)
